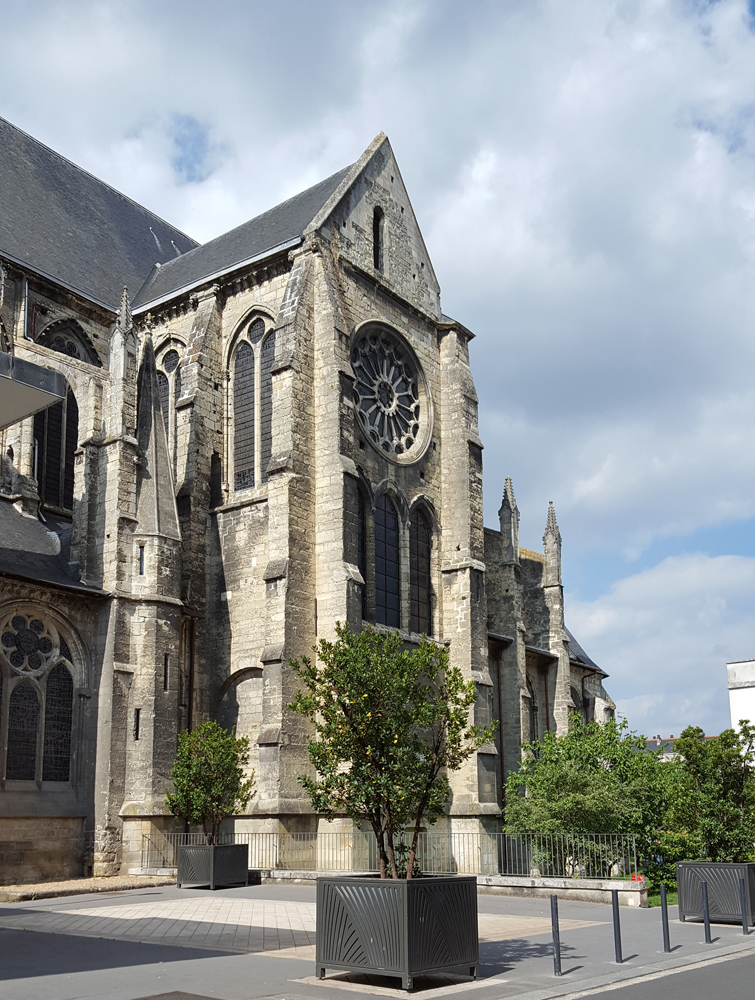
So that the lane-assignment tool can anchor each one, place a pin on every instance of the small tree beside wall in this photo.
(389, 724)
(209, 778)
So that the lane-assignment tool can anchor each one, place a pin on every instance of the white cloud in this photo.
(665, 634)
(584, 174)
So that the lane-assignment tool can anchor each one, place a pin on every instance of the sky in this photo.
(584, 176)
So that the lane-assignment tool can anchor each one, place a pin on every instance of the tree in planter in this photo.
(388, 726)
(208, 778)
(716, 800)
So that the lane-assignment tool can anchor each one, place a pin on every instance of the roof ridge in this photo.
(99, 180)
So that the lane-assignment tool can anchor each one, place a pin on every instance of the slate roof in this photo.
(36, 551)
(73, 228)
(578, 655)
(282, 224)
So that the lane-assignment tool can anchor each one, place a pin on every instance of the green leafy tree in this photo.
(717, 798)
(595, 778)
(388, 726)
(209, 780)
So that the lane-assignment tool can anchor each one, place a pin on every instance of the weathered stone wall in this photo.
(40, 849)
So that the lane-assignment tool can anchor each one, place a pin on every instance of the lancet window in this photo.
(252, 405)
(420, 577)
(36, 700)
(387, 564)
(169, 388)
(56, 432)
(67, 337)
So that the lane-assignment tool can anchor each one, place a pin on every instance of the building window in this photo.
(534, 735)
(169, 388)
(378, 232)
(362, 547)
(420, 581)
(34, 668)
(387, 564)
(56, 437)
(266, 401)
(252, 395)
(67, 337)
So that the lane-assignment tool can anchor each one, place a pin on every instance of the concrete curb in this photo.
(25, 897)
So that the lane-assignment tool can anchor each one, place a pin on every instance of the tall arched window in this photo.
(243, 418)
(534, 735)
(169, 388)
(56, 762)
(32, 646)
(266, 401)
(23, 723)
(56, 436)
(378, 223)
(420, 581)
(362, 546)
(387, 564)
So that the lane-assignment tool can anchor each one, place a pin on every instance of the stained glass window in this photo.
(420, 581)
(58, 719)
(163, 388)
(243, 418)
(69, 339)
(387, 564)
(362, 546)
(23, 723)
(56, 435)
(266, 401)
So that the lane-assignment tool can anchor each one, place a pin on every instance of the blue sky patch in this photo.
(192, 158)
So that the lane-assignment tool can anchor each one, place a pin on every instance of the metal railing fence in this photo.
(530, 854)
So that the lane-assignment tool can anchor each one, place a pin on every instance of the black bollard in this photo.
(743, 907)
(616, 925)
(664, 920)
(706, 912)
(556, 937)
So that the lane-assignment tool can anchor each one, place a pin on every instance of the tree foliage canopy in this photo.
(717, 798)
(209, 780)
(595, 778)
(388, 725)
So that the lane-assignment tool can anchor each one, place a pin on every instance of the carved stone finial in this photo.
(551, 525)
(508, 517)
(125, 320)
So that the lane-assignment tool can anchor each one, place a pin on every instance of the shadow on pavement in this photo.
(34, 953)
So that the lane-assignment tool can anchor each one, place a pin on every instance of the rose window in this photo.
(27, 643)
(389, 394)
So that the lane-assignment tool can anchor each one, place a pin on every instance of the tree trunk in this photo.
(391, 854)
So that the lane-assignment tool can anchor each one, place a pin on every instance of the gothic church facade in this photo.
(264, 435)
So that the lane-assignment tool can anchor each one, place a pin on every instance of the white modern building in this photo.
(741, 684)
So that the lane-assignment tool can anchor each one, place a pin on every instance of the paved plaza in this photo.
(258, 941)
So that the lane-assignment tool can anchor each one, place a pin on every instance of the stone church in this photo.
(262, 435)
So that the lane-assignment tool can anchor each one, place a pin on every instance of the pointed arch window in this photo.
(534, 734)
(420, 579)
(35, 663)
(252, 408)
(67, 337)
(243, 418)
(362, 547)
(56, 436)
(387, 564)
(169, 389)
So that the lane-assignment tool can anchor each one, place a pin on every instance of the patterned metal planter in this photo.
(396, 927)
(213, 864)
(723, 890)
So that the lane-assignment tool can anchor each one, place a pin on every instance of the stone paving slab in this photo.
(283, 928)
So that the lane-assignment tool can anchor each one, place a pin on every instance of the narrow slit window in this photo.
(378, 227)
(137, 720)
(141, 560)
(166, 671)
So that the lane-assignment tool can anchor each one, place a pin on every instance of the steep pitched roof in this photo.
(278, 226)
(579, 656)
(69, 226)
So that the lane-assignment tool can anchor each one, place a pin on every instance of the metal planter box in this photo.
(723, 890)
(396, 927)
(213, 864)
